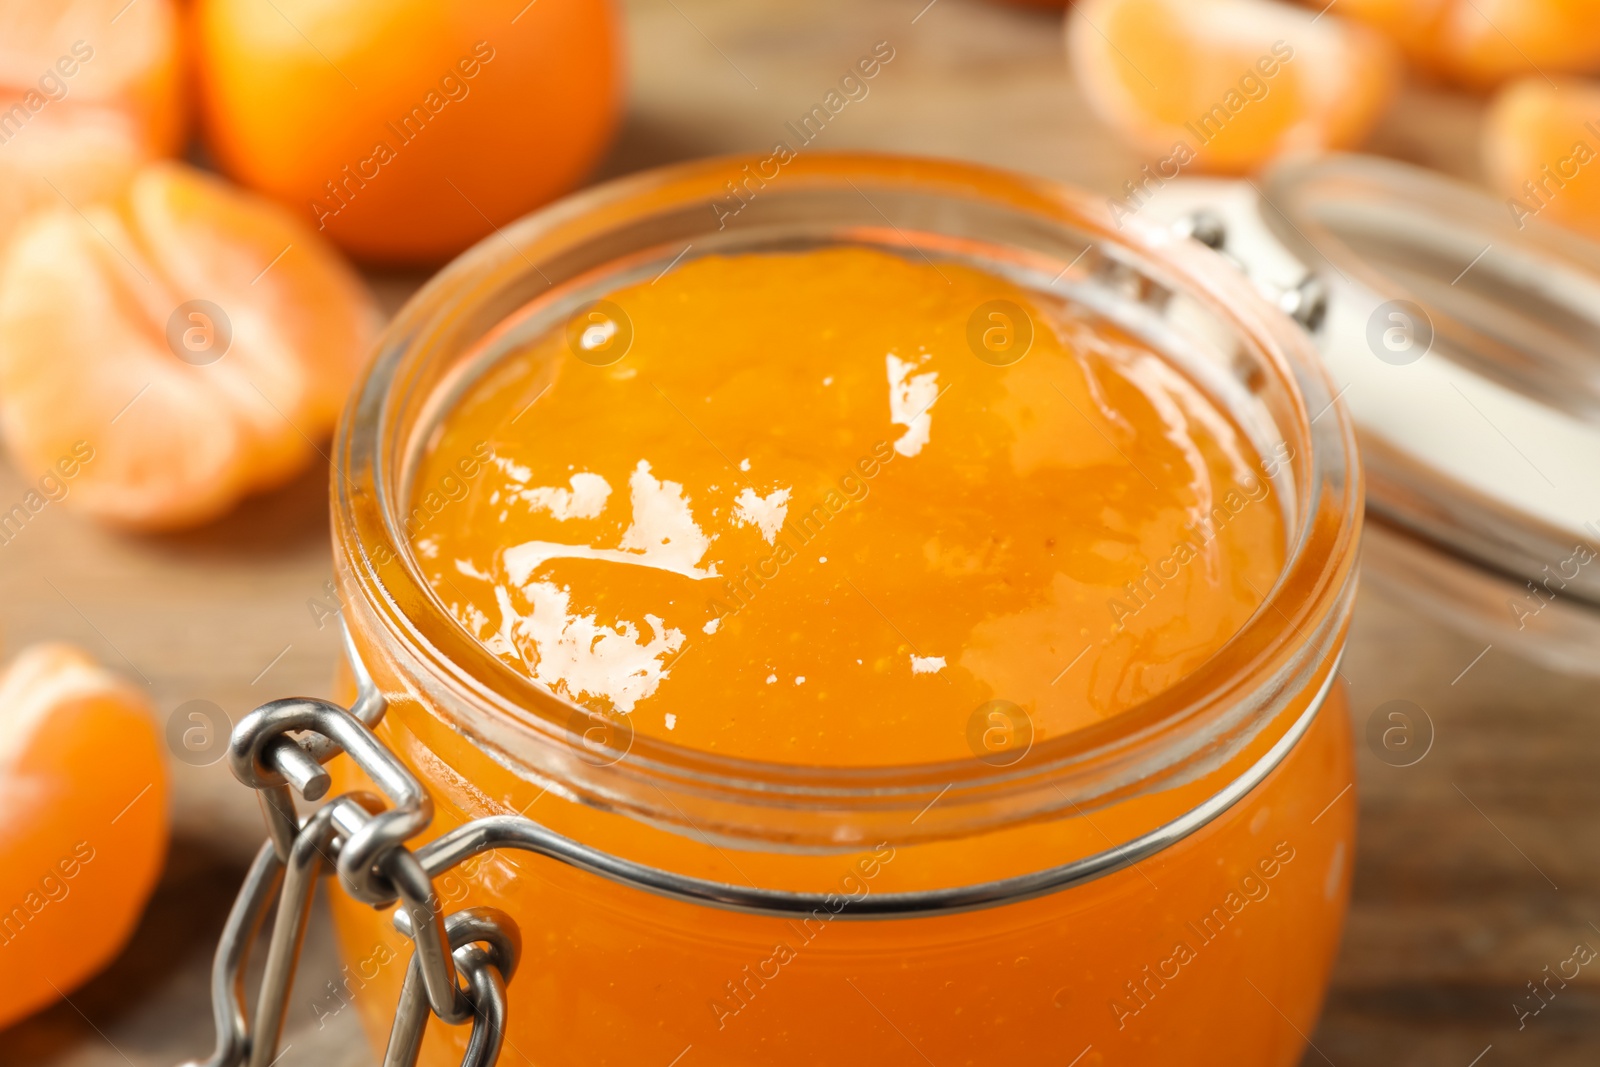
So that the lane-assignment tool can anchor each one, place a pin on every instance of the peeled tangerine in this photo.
(1230, 84)
(1541, 150)
(83, 822)
(193, 338)
(89, 89)
(1484, 42)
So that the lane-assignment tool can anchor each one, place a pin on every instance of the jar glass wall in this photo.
(1220, 810)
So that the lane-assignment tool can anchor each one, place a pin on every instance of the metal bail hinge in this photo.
(279, 750)
(1306, 302)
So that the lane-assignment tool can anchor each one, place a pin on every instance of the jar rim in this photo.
(1209, 717)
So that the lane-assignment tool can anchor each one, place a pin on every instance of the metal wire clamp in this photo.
(461, 963)
(279, 750)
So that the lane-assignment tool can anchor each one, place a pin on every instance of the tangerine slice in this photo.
(88, 90)
(83, 832)
(1231, 84)
(187, 344)
(1484, 42)
(1541, 148)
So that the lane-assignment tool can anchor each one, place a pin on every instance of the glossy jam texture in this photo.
(816, 513)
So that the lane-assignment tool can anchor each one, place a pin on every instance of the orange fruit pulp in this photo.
(182, 345)
(83, 838)
(1231, 84)
(777, 507)
(89, 89)
(1484, 42)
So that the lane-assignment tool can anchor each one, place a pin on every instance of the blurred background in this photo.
(337, 153)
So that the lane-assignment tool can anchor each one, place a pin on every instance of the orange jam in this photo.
(801, 520)
(850, 510)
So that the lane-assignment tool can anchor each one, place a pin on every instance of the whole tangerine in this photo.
(407, 129)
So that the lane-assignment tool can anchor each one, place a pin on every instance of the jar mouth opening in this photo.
(1190, 302)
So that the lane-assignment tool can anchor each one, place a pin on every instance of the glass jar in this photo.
(1170, 882)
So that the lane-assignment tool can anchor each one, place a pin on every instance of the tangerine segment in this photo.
(104, 55)
(1541, 149)
(1232, 84)
(1484, 42)
(81, 158)
(88, 91)
(408, 128)
(187, 343)
(83, 832)
(816, 512)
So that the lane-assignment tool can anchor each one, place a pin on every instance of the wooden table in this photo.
(1476, 867)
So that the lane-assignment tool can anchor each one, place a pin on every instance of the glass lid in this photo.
(1466, 344)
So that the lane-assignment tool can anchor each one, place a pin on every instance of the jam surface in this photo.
(844, 507)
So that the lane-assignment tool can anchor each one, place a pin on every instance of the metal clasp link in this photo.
(486, 971)
(278, 750)
(233, 950)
